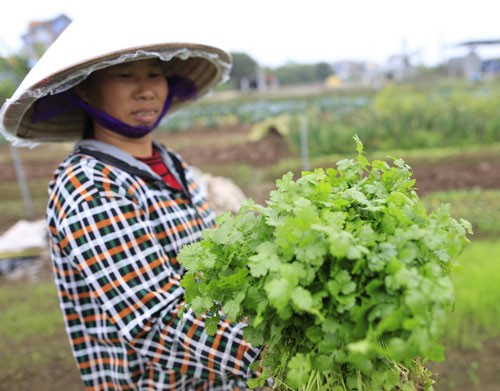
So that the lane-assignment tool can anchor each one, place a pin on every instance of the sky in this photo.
(278, 32)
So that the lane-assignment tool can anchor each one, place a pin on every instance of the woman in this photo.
(121, 206)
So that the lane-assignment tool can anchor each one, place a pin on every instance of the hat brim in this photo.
(66, 64)
(205, 66)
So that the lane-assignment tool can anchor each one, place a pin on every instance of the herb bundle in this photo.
(343, 276)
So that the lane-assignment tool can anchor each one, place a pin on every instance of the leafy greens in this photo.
(343, 276)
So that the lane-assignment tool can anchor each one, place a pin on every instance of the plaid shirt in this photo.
(114, 237)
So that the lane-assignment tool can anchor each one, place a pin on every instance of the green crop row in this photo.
(480, 207)
(250, 111)
(395, 117)
(403, 117)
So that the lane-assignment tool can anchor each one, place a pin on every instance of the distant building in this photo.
(41, 34)
(351, 71)
(263, 81)
(471, 66)
(356, 72)
(467, 67)
(490, 68)
(333, 82)
(399, 67)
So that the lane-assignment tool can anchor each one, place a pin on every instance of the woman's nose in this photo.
(145, 89)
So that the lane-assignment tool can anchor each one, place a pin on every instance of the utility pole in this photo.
(304, 145)
(21, 178)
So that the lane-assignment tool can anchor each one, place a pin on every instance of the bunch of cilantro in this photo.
(343, 276)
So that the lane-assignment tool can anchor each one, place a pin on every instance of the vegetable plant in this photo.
(343, 277)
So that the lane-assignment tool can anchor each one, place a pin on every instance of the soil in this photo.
(463, 370)
(229, 146)
(458, 173)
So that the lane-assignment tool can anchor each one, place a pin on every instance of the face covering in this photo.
(54, 105)
(109, 122)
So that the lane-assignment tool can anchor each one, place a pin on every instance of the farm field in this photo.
(46, 364)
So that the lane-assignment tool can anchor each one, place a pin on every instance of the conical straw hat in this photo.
(74, 56)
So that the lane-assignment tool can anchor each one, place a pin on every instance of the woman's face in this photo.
(133, 93)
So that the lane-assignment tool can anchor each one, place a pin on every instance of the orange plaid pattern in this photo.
(114, 238)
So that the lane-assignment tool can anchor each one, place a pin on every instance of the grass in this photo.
(476, 316)
(480, 207)
(472, 334)
(29, 311)
(33, 343)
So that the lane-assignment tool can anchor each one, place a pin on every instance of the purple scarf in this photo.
(51, 106)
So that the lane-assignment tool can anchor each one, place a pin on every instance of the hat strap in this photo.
(111, 123)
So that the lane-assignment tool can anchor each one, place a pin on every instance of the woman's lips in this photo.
(145, 116)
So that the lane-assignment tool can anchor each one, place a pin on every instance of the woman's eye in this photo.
(122, 75)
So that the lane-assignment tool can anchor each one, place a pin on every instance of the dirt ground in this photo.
(464, 370)
(459, 173)
(228, 145)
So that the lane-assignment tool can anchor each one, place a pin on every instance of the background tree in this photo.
(323, 70)
(12, 71)
(293, 74)
(244, 68)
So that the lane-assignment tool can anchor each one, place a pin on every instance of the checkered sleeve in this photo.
(112, 244)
